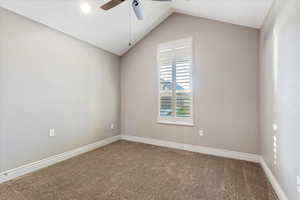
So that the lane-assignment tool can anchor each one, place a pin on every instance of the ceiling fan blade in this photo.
(111, 4)
(137, 7)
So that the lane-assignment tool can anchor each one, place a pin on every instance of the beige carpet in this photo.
(133, 171)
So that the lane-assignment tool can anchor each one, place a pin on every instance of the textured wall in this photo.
(226, 85)
(280, 93)
(50, 80)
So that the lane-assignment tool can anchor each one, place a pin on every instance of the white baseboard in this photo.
(279, 191)
(194, 148)
(25, 169)
(216, 152)
(31, 167)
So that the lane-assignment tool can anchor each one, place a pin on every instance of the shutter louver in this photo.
(175, 62)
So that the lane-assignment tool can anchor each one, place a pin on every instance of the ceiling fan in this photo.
(136, 5)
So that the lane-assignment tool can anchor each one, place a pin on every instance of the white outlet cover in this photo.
(275, 127)
(298, 184)
(52, 132)
(112, 126)
(201, 132)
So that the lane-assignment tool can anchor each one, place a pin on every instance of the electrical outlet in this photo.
(298, 184)
(52, 132)
(112, 126)
(201, 133)
(275, 127)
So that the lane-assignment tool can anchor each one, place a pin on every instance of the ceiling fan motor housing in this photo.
(137, 7)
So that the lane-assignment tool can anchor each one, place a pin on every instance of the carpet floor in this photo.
(133, 171)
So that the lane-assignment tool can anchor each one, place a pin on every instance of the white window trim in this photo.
(176, 120)
(173, 121)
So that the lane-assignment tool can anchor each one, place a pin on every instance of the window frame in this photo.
(179, 121)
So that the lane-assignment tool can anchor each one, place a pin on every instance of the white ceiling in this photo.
(109, 30)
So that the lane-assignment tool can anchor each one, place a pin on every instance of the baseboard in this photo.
(279, 191)
(216, 152)
(25, 169)
(28, 168)
(194, 148)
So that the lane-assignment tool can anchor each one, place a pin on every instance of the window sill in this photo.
(175, 123)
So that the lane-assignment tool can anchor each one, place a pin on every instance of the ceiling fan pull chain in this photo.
(130, 24)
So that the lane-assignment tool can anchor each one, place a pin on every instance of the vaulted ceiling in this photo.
(110, 30)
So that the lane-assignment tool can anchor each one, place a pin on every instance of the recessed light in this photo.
(85, 8)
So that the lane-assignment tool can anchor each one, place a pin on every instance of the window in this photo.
(175, 62)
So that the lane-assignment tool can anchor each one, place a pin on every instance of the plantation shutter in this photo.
(175, 96)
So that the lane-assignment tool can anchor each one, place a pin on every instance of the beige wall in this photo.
(226, 85)
(280, 93)
(50, 80)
